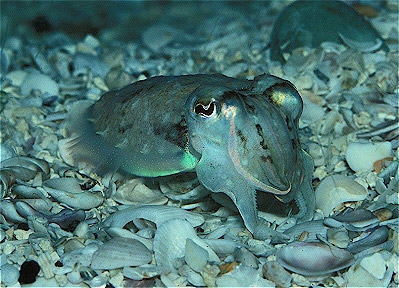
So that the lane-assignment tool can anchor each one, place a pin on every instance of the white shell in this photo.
(361, 156)
(120, 232)
(335, 190)
(375, 265)
(153, 213)
(142, 272)
(196, 256)
(170, 242)
(361, 46)
(9, 274)
(273, 271)
(135, 192)
(120, 252)
(34, 164)
(68, 191)
(38, 81)
(7, 209)
(223, 246)
(312, 258)
(357, 276)
(243, 276)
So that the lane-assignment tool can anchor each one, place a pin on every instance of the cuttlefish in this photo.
(239, 136)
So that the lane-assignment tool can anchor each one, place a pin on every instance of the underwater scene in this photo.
(199, 143)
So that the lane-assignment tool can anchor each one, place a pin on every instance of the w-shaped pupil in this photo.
(205, 110)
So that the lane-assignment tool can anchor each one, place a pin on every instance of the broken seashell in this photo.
(35, 164)
(337, 189)
(135, 192)
(223, 246)
(38, 81)
(28, 192)
(338, 236)
(243, 276)
(312, 258)
(120, 252)
(83, 62)
(9, 274)
(275, 272)
(8, 210)
(170, 242)
(310, 227)
(361, 156)
(358, 276)
(356, 220)
(153, 213)
(374, 264)
(142, 272)
(193, 277)
(195, 256)
(376, 237)
(69, 192)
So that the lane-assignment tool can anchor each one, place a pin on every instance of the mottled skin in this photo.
(240, 136)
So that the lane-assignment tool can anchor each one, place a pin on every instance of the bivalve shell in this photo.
(120, 252)
(337, 189)
(153, 213)
(170, 243)
(68, 191)
(312, 258)
(361, 156)
(9, 274)
(135, 192)
(38, 81)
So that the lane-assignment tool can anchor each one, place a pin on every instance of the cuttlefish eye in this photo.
(206, 108)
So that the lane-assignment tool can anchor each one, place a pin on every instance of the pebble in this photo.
(9, 274)
(28, 272)
(361, 156)
(117, 78)
(38, 81)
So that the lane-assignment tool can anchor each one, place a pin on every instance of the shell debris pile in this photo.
(64, 226)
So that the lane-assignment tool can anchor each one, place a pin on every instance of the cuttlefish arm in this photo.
(218, 174)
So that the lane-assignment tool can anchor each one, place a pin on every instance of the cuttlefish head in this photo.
(247, 141)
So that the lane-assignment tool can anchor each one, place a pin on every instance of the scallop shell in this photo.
(335, 190)
(312, 258)
(120, 252)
